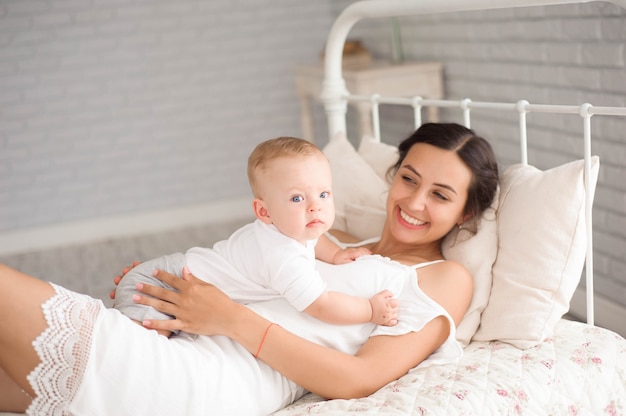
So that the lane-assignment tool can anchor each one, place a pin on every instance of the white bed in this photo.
(520, 356)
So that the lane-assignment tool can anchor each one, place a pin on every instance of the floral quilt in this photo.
(581, 370)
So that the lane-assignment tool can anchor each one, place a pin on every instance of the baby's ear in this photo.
(260, 211)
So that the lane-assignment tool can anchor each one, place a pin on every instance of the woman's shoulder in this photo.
(450, 284)
(447, 272)
(453, 267)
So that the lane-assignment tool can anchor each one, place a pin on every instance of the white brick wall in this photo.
(557, 55)
(117, 107)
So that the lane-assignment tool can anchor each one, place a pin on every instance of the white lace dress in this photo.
(95, 361)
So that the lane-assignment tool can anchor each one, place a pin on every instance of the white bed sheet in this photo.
(581, 370)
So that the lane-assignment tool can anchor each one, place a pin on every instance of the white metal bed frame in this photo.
(335, 96)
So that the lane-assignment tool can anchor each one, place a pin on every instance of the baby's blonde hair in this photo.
(272, 149)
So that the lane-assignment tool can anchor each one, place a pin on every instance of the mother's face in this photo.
(427, 195)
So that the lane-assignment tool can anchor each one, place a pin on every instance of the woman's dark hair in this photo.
(473, 150)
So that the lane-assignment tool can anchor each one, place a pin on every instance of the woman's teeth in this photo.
(411, 220)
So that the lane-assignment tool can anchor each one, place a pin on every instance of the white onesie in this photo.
(258, 262)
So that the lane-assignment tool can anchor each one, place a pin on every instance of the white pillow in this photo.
(380, 156)
(354, 181)
(541, 252)
(477, 252)
(364, 222)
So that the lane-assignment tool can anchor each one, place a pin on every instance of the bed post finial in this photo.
(335, 105)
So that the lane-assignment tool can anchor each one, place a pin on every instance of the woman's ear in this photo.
(464, 219)
(260, 211)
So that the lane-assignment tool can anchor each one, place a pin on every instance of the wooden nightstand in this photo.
(409, 79)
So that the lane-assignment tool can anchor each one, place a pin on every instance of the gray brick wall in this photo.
(568, 54)
(116, 107)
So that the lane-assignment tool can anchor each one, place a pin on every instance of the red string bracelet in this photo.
(263, 339)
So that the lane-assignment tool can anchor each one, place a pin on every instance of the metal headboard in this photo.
(335, 96)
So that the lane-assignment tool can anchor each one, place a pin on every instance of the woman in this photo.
(445, 177)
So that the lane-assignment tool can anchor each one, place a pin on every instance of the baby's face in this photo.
(297, 192)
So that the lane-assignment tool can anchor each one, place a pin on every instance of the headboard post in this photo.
(417, 111)
(585, 113)
(523, 135)
(464, 104)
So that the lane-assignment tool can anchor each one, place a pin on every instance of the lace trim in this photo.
(64, 349)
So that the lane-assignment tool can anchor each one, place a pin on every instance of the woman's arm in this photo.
(203, 309)
(334, 375)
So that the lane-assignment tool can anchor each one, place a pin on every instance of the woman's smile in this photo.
(411, 220)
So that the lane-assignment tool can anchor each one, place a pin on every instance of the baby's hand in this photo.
(350, 254)
(384, 309)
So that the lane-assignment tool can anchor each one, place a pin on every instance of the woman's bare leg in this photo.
(12, 397)
(21, 321)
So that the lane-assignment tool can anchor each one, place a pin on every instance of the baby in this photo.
(274, 256)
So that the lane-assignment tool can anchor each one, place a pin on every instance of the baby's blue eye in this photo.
(324, 194)
(297, 198)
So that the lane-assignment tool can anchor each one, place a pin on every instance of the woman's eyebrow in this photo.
(441, 185)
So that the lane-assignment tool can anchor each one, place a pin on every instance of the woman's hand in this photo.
(199, 307)
(117, 279)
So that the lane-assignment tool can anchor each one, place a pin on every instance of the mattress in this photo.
(580, 370)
